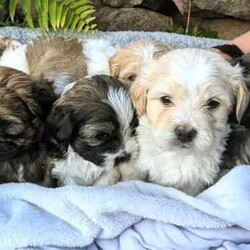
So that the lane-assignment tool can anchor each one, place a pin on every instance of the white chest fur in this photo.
(187, 171)
(75, 170)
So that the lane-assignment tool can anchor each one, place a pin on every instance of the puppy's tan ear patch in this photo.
(242, 98)
(114, 67)
(162, 49)
(159, 54)
(138, 94)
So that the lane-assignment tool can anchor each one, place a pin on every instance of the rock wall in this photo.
(229, 18)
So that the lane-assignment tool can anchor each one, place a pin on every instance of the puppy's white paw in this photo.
(109, 178)
(130, 172)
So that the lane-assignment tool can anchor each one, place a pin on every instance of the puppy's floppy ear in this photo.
(114, 67)
(159, 53)
(162, 49)
(138, 94)
(58, 130)
(43, 92)
(241, 93)
(38, 97)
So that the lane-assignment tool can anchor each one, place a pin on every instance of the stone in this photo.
(97, 4)
(234, 8)
(227, 28)
(135, 19)
(122, 3)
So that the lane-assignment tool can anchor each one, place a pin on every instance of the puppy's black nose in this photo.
(123, 158)
(185, 134)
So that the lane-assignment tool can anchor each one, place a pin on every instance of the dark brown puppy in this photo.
(24, 105)
(238, 143)
(238, 148)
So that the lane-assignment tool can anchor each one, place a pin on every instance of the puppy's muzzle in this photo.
(185, 134)
(125, 157)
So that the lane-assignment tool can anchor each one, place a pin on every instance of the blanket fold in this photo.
(135, 214)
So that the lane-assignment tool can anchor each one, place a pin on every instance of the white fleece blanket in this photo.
(127, 216)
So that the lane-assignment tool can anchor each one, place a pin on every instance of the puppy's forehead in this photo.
(191, 66)
(193, 70)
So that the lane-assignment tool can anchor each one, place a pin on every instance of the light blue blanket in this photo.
(127, 216)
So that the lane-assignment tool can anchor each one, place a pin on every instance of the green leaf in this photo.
(27, 12)
(58, 15)
(84, 8)
(1, 3)
(63, 17)
(86, 13)
(77, 4)
(12, 8)
(68, 20)
(74, 23)
(80, 26)
(45, 14)
(65, 14)
(93, 26)
(66, 2)
(52, 13)
(86, 29)
(90, 19)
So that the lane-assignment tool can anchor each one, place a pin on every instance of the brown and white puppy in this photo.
(91, 131)
(59, 59)
(24, 105)
(8, 42)
(186, 97)
(127, 62)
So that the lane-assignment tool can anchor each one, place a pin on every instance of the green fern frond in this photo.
(74, 15)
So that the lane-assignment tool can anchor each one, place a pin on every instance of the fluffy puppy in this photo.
(90, 131)
(127, 62)
(238, 147)
(61, 60)
(8, 42)
(24, 105)
(186, 97)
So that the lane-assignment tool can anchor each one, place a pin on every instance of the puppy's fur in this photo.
(127, 62)
(238, 144)
(24, 105)
(186, 97)
(59, 59)
(8, 42)
(238, 147)
(91, 130)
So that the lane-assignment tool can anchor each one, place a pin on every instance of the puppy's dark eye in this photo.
(212, 104)
(102, 136)
(131, 77)
(166, 100)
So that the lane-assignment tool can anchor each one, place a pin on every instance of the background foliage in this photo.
(73, 15)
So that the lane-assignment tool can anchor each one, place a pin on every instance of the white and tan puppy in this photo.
(185, 98)
(127, 62)
(59, 59)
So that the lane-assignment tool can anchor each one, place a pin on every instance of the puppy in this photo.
(58, 59)
(238, 147)
(186, 97)
(24, 105)
(127, 62)
(90, 131)
(8, 42)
